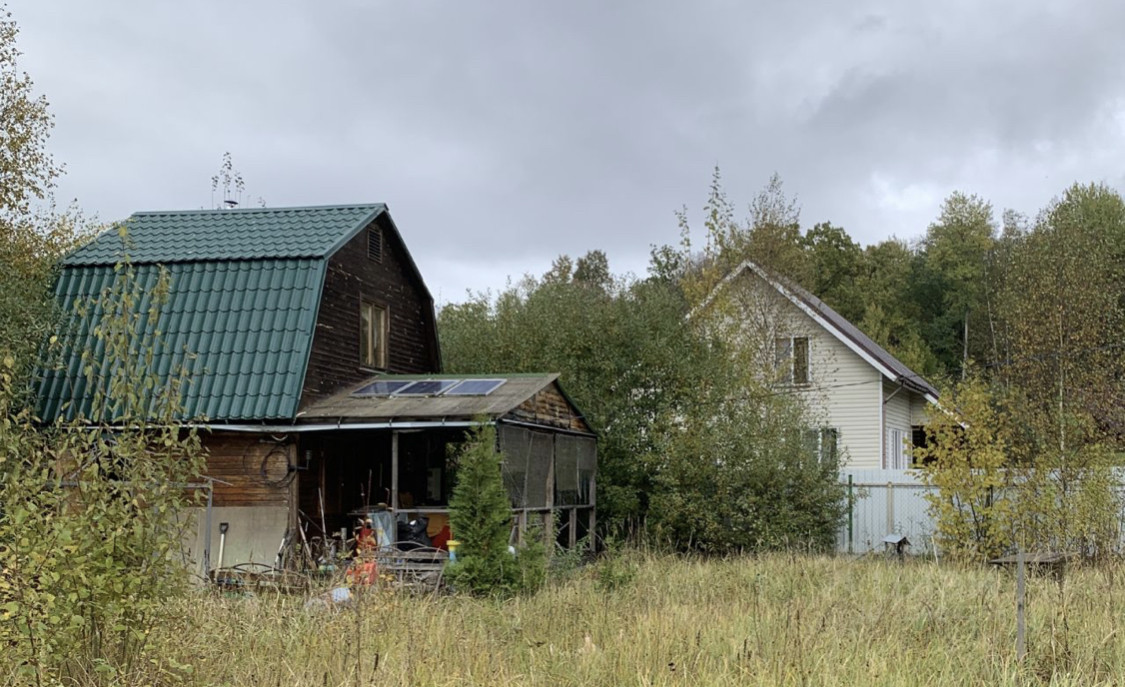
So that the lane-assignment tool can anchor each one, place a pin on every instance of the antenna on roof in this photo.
(227, 179)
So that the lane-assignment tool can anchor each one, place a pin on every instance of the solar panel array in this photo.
(430, 387)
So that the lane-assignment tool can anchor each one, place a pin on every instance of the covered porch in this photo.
(378, 451)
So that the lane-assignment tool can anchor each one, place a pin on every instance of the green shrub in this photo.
(91, 511)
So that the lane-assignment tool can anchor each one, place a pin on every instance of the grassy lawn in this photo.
(778, 620)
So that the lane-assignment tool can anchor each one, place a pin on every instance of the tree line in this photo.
(1026, 308)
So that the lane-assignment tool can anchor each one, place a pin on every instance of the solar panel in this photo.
(475, 387)
(427, 387)
(381, 388)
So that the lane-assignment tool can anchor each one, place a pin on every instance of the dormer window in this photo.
(372, 335)
(791, 358)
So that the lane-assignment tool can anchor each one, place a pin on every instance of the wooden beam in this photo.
(592, 534)
(294, 457)
(549, 516)
(572, 527)
(394, 471)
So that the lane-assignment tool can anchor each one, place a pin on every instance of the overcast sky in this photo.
(503, 133)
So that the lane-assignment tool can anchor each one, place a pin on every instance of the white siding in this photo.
(896, 416)
(843, 390)
(919, 410)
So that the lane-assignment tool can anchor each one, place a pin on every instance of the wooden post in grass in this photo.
(1021, 607)
(851, 514)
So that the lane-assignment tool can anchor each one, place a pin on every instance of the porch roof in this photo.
(347, 407)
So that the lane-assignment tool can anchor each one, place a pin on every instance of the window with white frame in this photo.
(791, 358)
(898, 457)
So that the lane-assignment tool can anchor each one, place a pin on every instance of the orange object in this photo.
(363, 573)
(365, 540)
(439, 540)
(437, 522)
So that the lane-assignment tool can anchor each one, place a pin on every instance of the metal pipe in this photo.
(556, 430)
(223, 527)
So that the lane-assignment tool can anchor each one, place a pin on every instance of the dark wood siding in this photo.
(352, 276)
(254, 468)
(550, 408)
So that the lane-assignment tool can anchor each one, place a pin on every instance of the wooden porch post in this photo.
(294, 497)
(394, 471)
(549, 516)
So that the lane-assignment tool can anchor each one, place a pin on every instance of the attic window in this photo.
(372, 335)
(791, 358)
(375, 244)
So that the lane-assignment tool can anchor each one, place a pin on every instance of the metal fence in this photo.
(885, 502)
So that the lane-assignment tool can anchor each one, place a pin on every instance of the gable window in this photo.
(375, 244)
(791, 358)
(372, 335)
(822, 443)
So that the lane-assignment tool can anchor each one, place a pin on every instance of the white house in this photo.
(863, 402)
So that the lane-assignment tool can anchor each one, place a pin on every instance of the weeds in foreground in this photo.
(773, 620)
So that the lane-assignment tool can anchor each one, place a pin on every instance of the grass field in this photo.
(659, 620)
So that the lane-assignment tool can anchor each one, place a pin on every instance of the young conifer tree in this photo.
(481, 518)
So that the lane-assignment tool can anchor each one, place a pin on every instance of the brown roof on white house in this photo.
(837, 325)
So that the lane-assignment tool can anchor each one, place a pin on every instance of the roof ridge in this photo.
(284, 208)
(237, 234)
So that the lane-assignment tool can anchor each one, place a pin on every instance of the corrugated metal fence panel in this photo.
(894, 501)
(885, 502)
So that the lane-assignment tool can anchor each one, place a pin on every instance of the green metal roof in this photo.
(249, 324)
(245, 290)
(243, 234)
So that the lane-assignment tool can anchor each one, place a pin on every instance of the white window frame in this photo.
(898, 456)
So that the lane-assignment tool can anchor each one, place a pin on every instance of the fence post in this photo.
(851, 514)
(890, 507)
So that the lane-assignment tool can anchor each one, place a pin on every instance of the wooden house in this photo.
(310, 341)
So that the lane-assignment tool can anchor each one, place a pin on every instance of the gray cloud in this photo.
(504, 133)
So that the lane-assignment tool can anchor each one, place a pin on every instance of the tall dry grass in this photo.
(777, 620)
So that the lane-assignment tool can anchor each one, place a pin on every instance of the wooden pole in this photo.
(394, 472)
(323, 526)
(1021, 608)
(593, 526)
(549, 516)
(207, 528)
